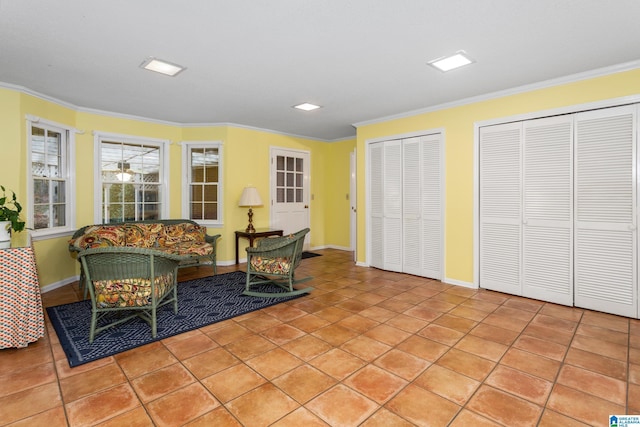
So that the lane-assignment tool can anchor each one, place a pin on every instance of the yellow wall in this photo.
(245, 161)
(337, 177)
(458, 124)
(246, 151)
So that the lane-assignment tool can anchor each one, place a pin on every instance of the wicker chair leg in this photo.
(154, 323)
(94, 322)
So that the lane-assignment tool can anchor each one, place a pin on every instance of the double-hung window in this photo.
(202, 194)
(51, 195)
(130, 178)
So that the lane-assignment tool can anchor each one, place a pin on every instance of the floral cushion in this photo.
(184, 232)
(189, 248)
(100, 236)
(144, 235)
(277, 265)
(130, 292)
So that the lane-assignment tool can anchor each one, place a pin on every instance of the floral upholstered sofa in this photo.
(173, 236)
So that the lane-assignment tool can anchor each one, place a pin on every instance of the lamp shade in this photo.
(250, 197)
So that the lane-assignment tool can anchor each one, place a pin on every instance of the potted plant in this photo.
(9, 214)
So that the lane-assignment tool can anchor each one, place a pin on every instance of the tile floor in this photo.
(367, 347)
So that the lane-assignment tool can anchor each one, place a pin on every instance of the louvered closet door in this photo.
(412, 206)
(547, 230)
(500, 207)
(376, 210)
(432, 227)
(392, 220)
(605, 216)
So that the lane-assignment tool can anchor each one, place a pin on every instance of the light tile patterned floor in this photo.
(367, 347)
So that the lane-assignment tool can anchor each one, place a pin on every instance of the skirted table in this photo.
(21, 315)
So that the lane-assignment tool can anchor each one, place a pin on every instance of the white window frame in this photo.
(67, 174)
(162, 144)
(186, 180)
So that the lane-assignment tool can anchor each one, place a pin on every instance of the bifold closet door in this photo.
(547, 211)
(405, 218)
(500, 208)
(422, 206)
(393, 197)
(376, 208)
(605, 218)
(385, 189)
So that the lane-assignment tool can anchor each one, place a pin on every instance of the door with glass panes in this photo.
(290, 191)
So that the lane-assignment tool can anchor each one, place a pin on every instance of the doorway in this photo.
(290, 194)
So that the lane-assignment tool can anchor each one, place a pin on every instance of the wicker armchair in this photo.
(274, 260)
(133, 280)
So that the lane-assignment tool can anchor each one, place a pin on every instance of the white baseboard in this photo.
(69, 280)
(456, 282)
(340, 248)
(59, 284)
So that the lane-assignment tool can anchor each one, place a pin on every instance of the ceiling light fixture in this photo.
(448, 63)
(306, 107)
(162, 67)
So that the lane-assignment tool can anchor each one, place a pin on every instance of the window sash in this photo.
(130, 179)
(202, 198)
(50, 199)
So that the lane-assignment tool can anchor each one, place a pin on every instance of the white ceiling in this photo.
(249, 61)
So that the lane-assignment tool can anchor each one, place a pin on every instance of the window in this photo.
(131, 182)
(289, 179)
(50, 188)
(202, 198)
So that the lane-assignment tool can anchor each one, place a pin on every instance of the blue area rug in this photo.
(200, 303)
(306, 255)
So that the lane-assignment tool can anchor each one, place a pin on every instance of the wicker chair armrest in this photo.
(212, 239)
(278, 246)
(271, 243)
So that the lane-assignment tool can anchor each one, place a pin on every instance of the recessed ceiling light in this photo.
(447, 63)
(306, 106)
(162, 67)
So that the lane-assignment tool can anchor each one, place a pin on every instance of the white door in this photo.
(412, 206)
(405, 206)
(421, 206)
(392, 206)
(375, 190)
(500, 208)
(290, 191)
(547, 222)
(605, 216)
(353, 198)
(432, 218)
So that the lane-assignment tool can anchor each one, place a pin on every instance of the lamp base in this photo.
(250, 228)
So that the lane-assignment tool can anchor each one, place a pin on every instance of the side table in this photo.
(21, 315)
(259, 233)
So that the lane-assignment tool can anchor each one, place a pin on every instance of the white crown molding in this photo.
(113, 114)
(599, 72)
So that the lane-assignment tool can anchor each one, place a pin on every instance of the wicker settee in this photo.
(181, 237)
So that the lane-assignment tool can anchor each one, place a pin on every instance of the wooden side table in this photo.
(259, 233)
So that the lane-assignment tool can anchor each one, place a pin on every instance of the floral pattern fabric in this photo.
(277, 265)
(100, 236)
(144, 235)
(179, 239)
(185, 232)
(130, 292)
(189, 248)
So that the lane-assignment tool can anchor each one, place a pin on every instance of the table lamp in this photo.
(250, 198)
